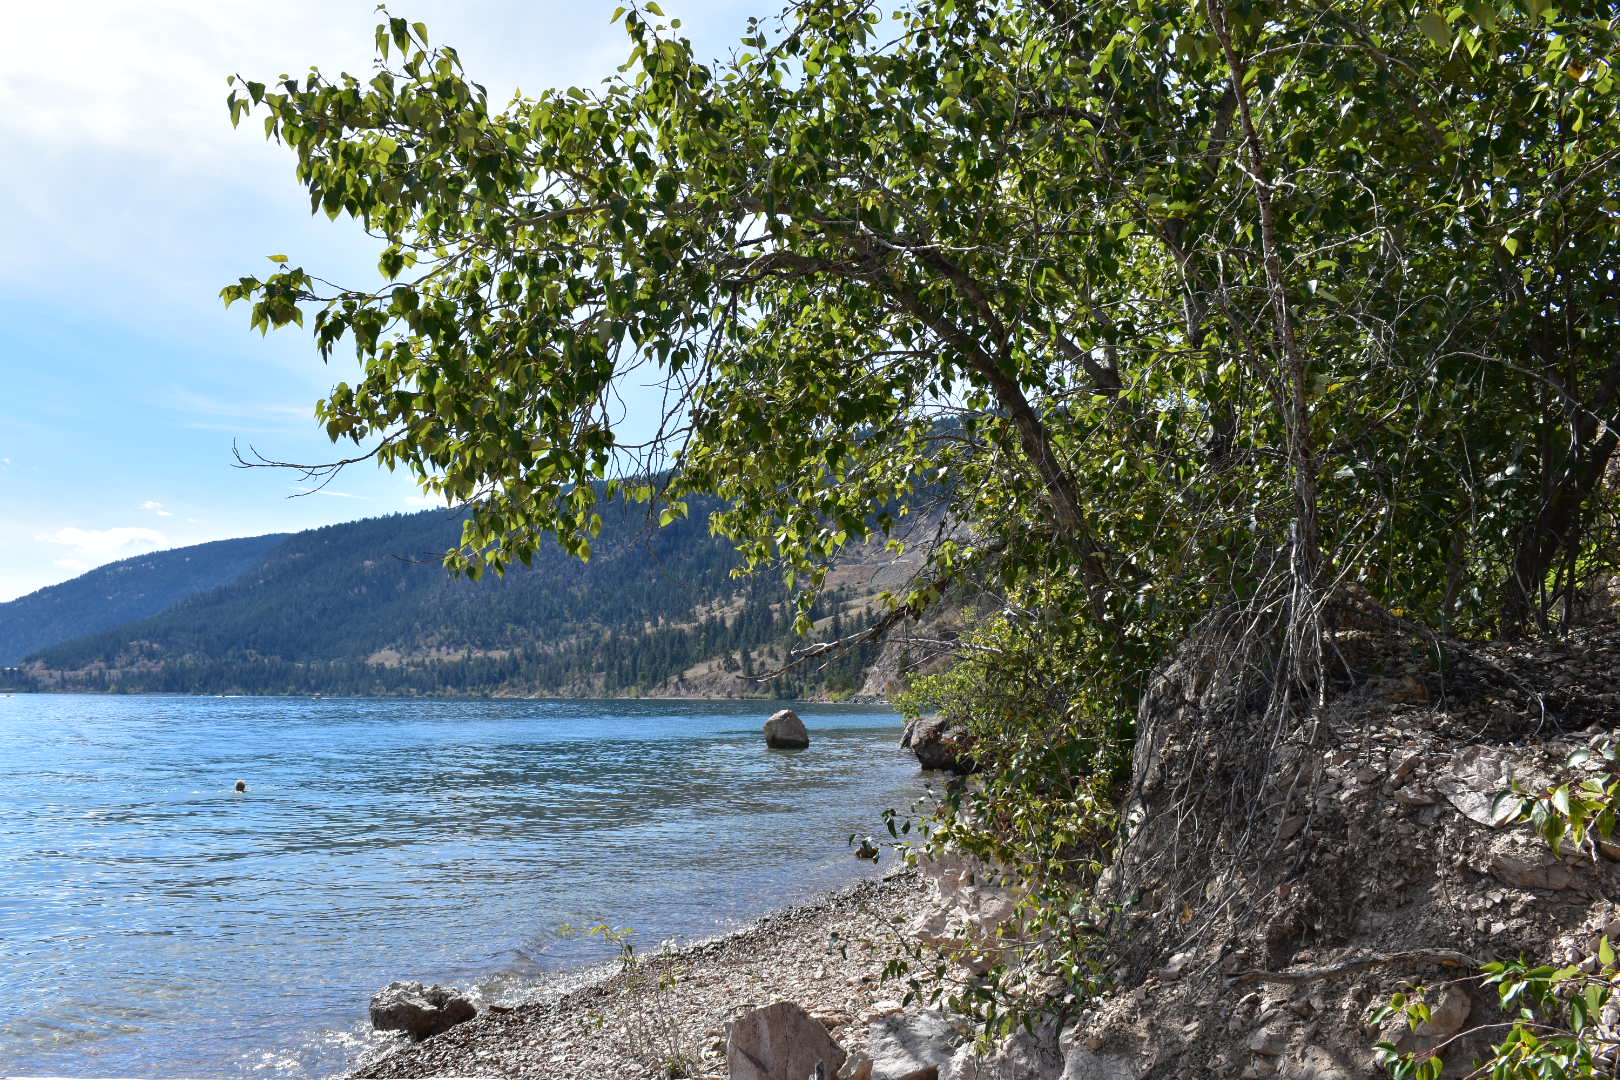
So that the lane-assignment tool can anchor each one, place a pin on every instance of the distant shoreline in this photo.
(851, 700)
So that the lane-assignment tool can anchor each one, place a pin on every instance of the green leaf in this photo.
(1434, 26)
(1506, 808)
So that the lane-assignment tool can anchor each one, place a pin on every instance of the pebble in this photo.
(621, 1030)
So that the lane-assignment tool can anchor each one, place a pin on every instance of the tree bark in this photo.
(1305, 555)
(1557, 527)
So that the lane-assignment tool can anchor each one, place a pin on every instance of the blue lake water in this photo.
(155, 923)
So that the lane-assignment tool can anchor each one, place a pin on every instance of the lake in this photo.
(155, 923)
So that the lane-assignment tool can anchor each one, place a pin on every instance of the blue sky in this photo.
(128, 200)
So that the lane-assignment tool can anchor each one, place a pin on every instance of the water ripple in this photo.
(154, 922)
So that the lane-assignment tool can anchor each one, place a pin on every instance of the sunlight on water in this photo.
(154, 922)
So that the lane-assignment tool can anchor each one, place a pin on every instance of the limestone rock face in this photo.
(785, 731)
(419, 1011)
(965, 912)
(780, 1042)
(939, 745)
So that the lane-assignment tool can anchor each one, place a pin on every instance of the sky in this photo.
(127, 200)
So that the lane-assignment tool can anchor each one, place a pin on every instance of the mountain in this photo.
(366, 608)
(123, 591)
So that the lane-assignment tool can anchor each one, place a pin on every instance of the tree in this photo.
(1184, 308)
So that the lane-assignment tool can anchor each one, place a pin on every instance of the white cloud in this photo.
(92, 547)
(155, 507)
(149, 79)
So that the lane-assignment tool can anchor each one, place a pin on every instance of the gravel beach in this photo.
(827, 955)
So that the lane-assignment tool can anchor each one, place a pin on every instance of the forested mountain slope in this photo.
(366, 607)
(123, 591)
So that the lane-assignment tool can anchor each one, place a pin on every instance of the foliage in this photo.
(1555, 1032)
(1045, 221)
(1556, 1029)
(1581, 812)
(1043, 813)
(1183, 308)
(653, 1036)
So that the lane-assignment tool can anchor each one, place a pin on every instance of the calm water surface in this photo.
(155, 923)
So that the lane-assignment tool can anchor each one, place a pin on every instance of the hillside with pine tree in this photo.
(367, 608)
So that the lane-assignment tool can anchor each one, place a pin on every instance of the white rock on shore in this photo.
(780, 1042)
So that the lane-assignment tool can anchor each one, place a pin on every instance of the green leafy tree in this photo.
(1183, 308)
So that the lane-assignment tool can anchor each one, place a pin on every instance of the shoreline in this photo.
(852, 700)
(827, 954)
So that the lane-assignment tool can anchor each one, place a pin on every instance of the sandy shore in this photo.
(827, 955)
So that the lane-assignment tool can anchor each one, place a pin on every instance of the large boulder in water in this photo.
(940, 745)
(785, 731)
(419, 1011)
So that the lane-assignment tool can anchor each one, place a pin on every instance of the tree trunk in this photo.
(1305, 543)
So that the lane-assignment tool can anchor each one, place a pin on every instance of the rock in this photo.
(1446, 1016)
(1028, 1055)
(1081, 1063)
(419, 1011)
(1403, 771)
(1319, 1063)
(1413, 795)
(1531, 870)
(912, 1046)
(1270, 1041)
(964, 919)
(1471, 804)
(858, 1067)
(940, 746)
(779, 1042)
(1405, 690)
(785, 731)
(1472, 781)
(1177, 965)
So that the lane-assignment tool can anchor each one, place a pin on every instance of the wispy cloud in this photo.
(192, 402)
(155, 507)
(92, 547)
